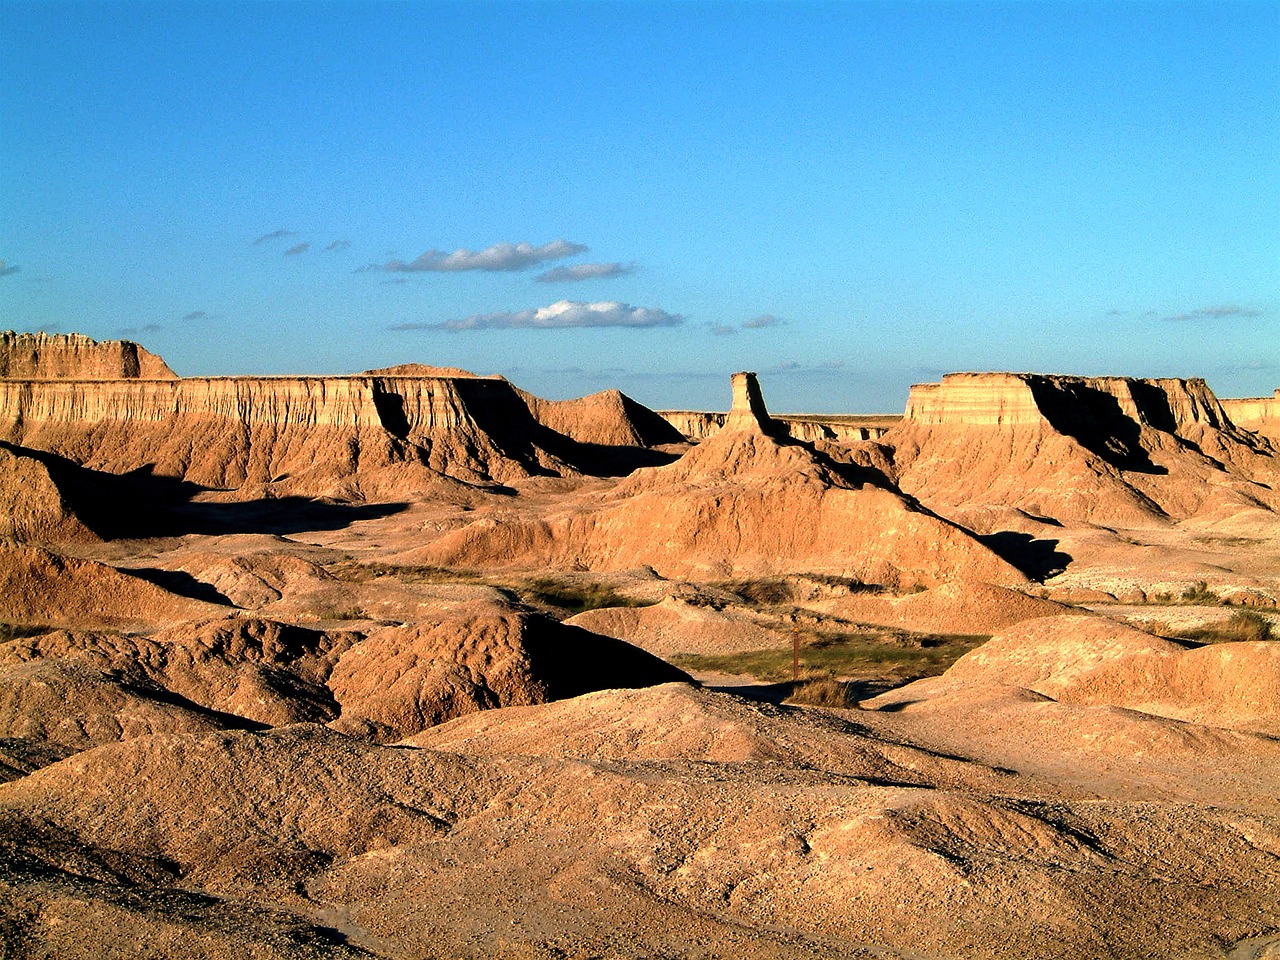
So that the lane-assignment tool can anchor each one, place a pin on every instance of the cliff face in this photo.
(1086, 403)
(44, 356)
(1259, 414)
(1110, 450)
(808, 427)
(311, 435)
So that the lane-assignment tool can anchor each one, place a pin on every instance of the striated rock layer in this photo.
(1259, 414)
(46, 356)
(360, 436)
(1106, 450)
(841, 428)
(380, 435)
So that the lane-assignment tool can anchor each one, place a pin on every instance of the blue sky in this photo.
(844, 197)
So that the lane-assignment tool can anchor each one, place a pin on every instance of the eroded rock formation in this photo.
(367, 437)
(1109, 450)
(58, 356)
(1260, 414)
(743, 502)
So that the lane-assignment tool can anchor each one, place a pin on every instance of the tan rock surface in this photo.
(33, 509)
(956, 607)
(425, 852)
(64, 703)
(309, 435)
(1260, 414)
(1091, 660)
(675, 625)
(1072, 789)
(1109, 450)
(608, 418)
(740, 503)
(73, 356)
(40, 587)
(372, 436)
(477, 656)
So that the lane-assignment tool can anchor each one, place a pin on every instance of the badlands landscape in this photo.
(413, 664)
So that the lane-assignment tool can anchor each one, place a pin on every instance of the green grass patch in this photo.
(780, 591)
(355, 571)
(1199, 593)
(854, 655)
(1241, 626)
(573, 597)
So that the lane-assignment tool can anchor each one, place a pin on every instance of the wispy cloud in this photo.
(6, 270)
(499, 257)
(337, 245)
(298, 248)
(145, 328)
(585, 271)
(755, 323)
(564, 314)
(273, 235)
(796, 367)
(195, 315)
(1224, 312)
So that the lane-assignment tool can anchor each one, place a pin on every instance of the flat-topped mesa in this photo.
(1026, 399)
(748, 411)
(1259, 414)
(73, 356)
(1103, 450)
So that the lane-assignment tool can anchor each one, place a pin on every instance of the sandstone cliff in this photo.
(371, 436)
(45, 356)
(323, 435)
(1108, 450)
(1259, 414)
(807, 427)
(744, 502)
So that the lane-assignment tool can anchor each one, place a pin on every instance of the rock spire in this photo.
(748, 411)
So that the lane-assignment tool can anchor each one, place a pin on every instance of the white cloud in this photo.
(195, 315)
(273, 235)
(6, 270)
(764, 320)
(298, 248)
(564, 314)
(501, 256)
(722, 330)
(338, 245)
(584, 271)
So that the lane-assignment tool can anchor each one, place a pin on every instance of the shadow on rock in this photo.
(1038, 559)
(141, 504)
